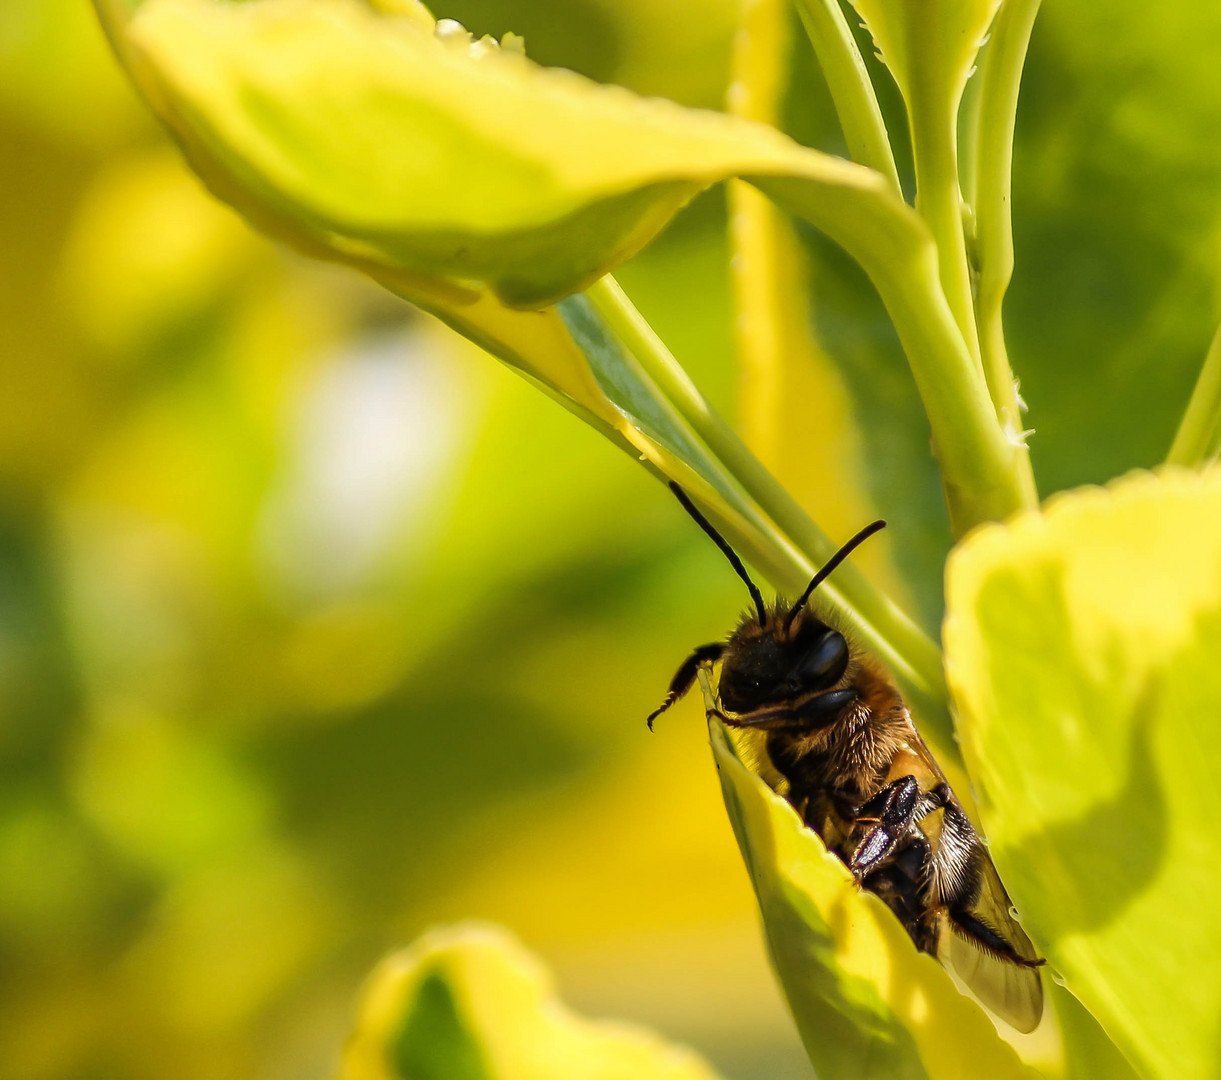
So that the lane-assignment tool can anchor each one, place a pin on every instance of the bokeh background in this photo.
(318, 627)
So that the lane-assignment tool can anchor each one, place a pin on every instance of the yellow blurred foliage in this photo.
(310, 629)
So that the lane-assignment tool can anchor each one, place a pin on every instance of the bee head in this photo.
(773, 657)
(765, 666)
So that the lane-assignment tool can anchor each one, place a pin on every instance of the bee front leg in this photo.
(685, 676)
(893, 809)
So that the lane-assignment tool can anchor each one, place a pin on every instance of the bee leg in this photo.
(897, 885)
(685, 676)
(986, 939)
(894, 804)
(937, 797)
(914, 858)
(926, 931)
(893, 808)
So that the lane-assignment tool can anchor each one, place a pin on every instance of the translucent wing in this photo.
(1011, 990)
(993, 972)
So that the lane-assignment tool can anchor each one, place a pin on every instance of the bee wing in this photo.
(1012, 991)
(916, 746)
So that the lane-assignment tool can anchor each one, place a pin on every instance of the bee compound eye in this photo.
(824, 662)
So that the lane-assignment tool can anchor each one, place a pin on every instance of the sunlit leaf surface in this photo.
(388, 141)
(469, 1003)
(361, 136)
(1082, 649)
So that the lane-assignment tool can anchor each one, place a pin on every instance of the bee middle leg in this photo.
(894, 810)
(899, 885)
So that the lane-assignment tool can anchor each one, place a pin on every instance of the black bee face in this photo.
(766, 670)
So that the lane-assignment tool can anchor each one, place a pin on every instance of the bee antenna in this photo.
(726, 550)
(829, 566)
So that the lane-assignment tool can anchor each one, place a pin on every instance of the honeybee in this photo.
(847, 757)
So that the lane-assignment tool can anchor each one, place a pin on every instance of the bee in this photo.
(845, 754)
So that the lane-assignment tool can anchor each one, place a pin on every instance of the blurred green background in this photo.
(318, 627)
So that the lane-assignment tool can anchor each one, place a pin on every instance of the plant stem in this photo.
(980, 466)
(939, 201)
(856, 103)
(793, 408)
(758, 73)
(983, 470)
(1197, 438)
(897, 634)
(991, 167)
(781, 363)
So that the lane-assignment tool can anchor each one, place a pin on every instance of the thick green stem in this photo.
(856, 103)
(895, 634)
(981, 467)
(939, 201)
(1199, 434)
(991, 167)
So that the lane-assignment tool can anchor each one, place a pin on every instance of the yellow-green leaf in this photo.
(866, 1002)
(410, 145)
(466, 178)
(469, 1003)
(1082, 647)
(463, 177)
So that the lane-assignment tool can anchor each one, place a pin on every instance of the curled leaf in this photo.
(866, 1002)
(389, 140)
(469, 1003)
(467, 180)
(1082, 648)
(472, 182)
